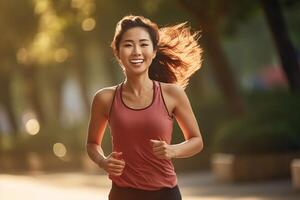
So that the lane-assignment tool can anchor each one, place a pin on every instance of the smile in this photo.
(136, 61)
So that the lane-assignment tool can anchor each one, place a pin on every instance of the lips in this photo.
(136, 61)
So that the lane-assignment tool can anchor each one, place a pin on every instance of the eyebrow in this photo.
(141, 40)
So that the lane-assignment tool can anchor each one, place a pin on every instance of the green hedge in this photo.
(272, 124)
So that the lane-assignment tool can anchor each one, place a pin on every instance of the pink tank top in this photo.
(131, 131)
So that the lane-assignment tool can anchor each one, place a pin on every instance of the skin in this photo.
(137, 93)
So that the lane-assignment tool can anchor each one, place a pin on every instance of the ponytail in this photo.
(178, 55)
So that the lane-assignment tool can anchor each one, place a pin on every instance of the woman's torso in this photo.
(131, 131)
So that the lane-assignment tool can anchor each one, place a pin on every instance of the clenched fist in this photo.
(113, 164)
(163, 150)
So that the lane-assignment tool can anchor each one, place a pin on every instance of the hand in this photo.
(113, 164)
(163, 150)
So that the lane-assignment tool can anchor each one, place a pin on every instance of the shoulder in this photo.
(172, 90)
(104, 96)
(175, 94)
(105, 92)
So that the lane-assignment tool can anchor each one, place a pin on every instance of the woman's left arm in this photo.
(186, 119)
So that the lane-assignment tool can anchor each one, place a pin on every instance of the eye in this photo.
(127, 45)
(144, 45)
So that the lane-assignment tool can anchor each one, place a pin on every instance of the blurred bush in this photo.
(270, 126)
(210, 111)
(55, 147)
(71, 137)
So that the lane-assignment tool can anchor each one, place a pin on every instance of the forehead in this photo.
(136, 34)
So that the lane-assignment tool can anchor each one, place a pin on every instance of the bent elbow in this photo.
(200, 145)
(89, 146)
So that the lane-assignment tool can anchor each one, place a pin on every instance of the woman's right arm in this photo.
(97, 124)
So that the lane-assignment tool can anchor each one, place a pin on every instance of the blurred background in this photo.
(54, 55)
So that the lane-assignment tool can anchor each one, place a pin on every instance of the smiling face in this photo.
(136, 51)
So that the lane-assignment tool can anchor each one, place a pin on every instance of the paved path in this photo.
(83, 186)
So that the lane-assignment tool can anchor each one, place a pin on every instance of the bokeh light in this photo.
(32, 126)
(61, 55)
(88, 24)
(59, 150)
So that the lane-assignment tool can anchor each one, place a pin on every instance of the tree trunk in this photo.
(211, 42)
(81, 74)
(33, 93)
(222, 71)
(57, 96)
(285, 48)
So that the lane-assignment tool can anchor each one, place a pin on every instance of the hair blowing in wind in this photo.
(178, 55)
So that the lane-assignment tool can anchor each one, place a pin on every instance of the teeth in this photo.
(135, 61)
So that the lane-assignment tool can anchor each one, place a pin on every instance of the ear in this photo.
(116, 53)
(154, 53)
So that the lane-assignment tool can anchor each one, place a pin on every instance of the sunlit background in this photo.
(54, 56)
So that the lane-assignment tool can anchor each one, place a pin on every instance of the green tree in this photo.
(209, 15)
(18, 24)
(285, 48)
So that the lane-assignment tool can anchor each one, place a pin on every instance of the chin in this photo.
(137, 72)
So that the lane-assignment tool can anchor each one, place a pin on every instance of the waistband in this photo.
(115, 186)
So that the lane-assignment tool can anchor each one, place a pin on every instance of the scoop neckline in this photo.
(137, 109)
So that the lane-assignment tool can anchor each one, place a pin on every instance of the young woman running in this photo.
(157, 64)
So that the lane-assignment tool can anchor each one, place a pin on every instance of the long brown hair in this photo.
(178, 52)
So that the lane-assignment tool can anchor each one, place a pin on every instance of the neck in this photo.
(138, 85)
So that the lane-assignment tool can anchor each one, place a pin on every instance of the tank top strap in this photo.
(118, 92)
(156, 91)
(160, 100)
(115, 101)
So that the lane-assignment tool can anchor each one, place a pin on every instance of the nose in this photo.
(137, 50)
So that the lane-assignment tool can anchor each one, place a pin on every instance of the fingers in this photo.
(114, 171)
(111, 164)
(116, 161)
(116, 157)
(115, 174)
(116, 154)
(157, 143)
(115, 164)
(160, 149)
(160, 152)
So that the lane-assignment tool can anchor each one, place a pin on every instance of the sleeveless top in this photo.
(131, 131)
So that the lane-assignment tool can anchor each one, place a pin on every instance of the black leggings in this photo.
(124, 193)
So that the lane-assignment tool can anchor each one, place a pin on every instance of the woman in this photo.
(140, 110)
